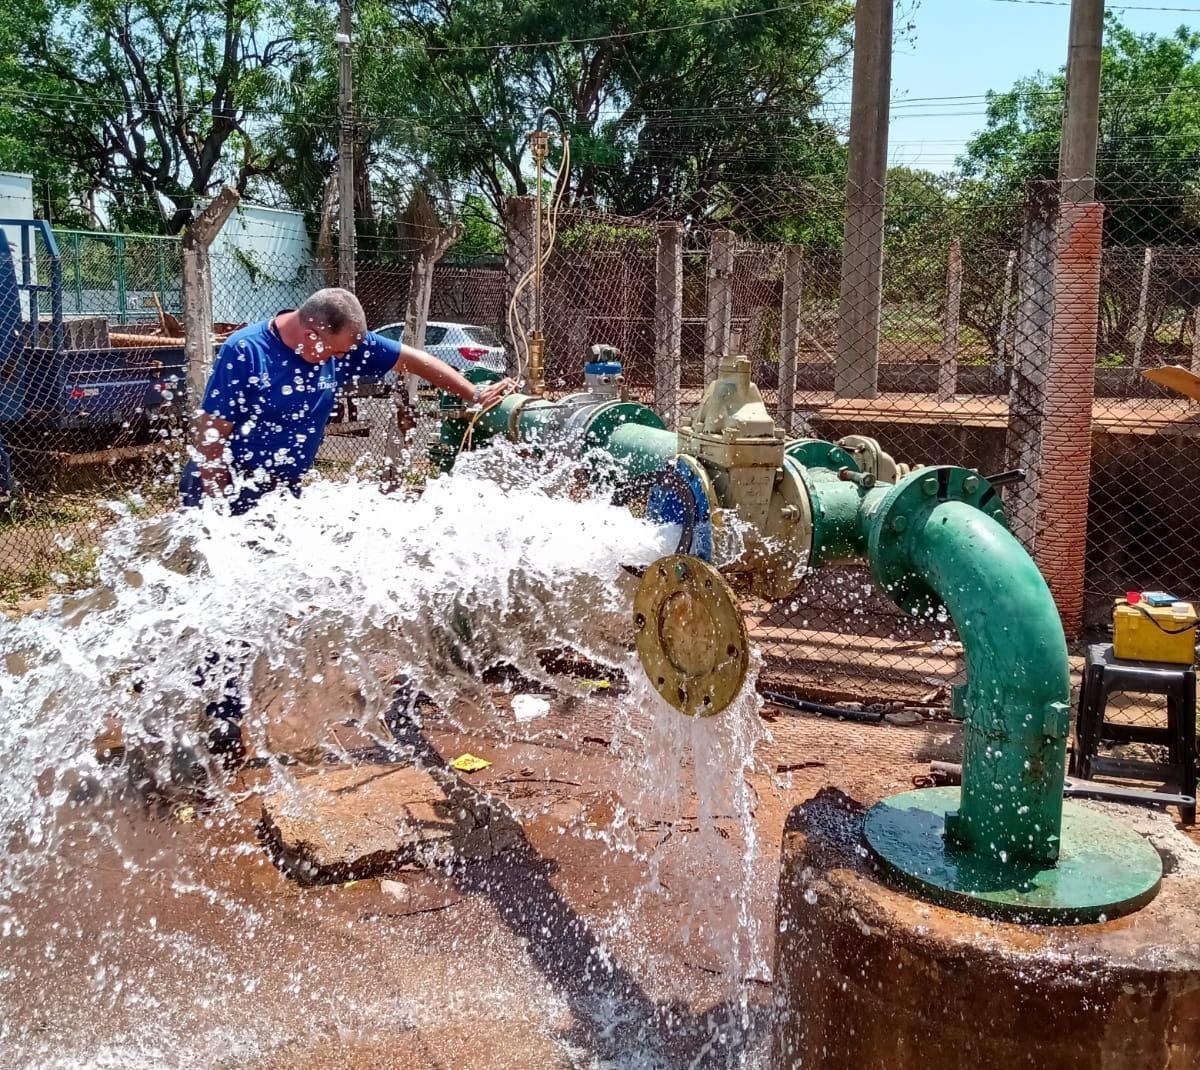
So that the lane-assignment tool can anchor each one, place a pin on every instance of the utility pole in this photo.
(345, 150)
(1081, 114)
(856, 374)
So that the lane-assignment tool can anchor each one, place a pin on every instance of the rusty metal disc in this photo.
(690, 635)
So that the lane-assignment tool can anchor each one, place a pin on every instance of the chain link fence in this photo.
(977, 354)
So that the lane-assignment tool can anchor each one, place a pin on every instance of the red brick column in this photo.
(1067, 430)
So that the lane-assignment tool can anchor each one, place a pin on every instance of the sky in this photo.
(963, 48)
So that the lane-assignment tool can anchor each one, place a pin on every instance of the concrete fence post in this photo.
(1031, 357)
(420, 292)
(1142, 323)
(948, 355)
(719, 320)
(789, 333)
(518, 259)
(668, 322)
(198, 295)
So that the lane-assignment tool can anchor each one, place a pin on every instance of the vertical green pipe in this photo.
(1018, 681)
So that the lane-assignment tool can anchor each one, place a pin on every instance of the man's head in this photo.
(333, 324)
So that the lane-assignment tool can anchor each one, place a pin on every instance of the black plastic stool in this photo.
(1104, 675)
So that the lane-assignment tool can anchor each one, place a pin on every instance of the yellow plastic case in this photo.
(1164, 634)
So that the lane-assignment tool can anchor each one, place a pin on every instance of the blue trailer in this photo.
(62, 401)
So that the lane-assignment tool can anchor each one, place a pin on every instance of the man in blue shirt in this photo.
(263, 416)
(272, 390)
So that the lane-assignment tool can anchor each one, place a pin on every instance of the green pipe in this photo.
(642, 448)
(924, 549)
(837, 510)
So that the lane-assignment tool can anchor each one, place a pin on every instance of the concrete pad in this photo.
(348, 823)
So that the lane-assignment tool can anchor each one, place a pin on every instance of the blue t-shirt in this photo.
(279, 405)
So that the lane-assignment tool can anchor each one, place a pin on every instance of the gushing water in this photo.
(308, 609)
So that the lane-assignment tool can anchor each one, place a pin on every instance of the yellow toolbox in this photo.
(1154, 627)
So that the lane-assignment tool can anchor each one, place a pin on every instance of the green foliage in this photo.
(1148, 158)
(135, 100)
(692, 122)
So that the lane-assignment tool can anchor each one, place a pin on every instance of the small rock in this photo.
(903, 717)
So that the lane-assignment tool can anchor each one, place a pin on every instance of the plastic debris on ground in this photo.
(530, 707)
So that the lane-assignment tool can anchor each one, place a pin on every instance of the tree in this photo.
(1148, 157)
(1147, 169)
(680, 120)
(145, 99)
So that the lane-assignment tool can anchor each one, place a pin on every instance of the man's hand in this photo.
(493, 393)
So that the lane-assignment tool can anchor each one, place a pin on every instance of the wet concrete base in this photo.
(868, 978)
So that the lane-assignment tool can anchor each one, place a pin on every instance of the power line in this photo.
(513, 45)
(1114, 7)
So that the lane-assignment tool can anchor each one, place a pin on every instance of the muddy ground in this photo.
(166, 937)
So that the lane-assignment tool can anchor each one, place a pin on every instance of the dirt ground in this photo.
(164, 936)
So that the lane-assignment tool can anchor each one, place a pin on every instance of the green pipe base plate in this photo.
(1104, 869)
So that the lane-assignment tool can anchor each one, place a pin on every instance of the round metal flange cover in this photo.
(690, 635)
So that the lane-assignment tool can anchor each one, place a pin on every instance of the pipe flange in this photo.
(607, 418)
(663, 497)
(690, 635)
(904, 509)
(817, 453)
(514, 417)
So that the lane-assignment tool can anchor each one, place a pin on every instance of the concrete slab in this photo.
(349, 823)
(868, 976)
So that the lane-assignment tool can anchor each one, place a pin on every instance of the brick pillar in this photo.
(1070, 385)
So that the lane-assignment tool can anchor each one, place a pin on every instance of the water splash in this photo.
(314, 606)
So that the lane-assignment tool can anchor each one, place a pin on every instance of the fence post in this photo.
(1196, 341)
(1143, 309)
(1070, 390)
(668, 322)
(1031, 355)
(122, 296)
(789, 333)
(948, 360)
(76, 251)
(518, 259)
(1002, 339)
(197, 294)
(420, 291)
(719, 317)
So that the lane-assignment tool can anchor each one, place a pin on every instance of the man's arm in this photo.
(212, 446)
(436, 372)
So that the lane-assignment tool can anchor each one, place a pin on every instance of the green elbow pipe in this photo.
(932, 539)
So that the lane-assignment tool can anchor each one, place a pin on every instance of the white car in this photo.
(461, 345)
